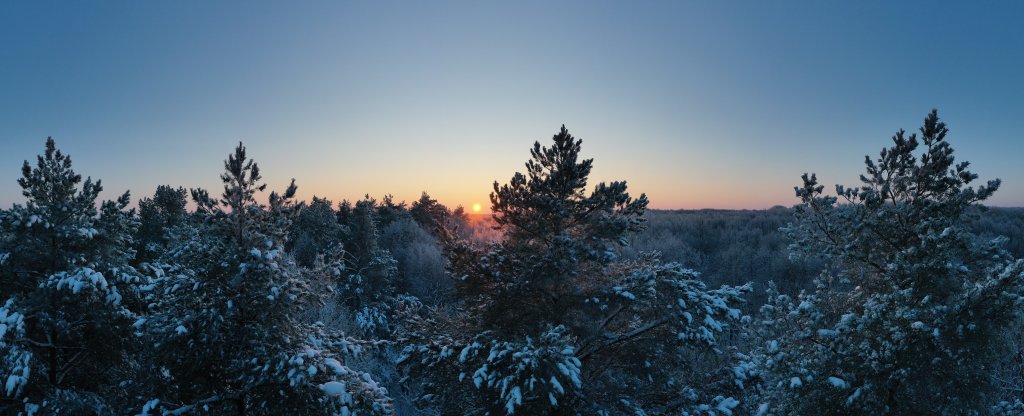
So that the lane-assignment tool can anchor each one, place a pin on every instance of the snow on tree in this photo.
(368, 288)
(224, 315)
(551, 321)
(65, 327)
(911, 313)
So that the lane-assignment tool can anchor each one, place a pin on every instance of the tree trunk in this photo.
(241, 405)
(54, 362)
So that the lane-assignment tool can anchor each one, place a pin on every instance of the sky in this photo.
(698, 104)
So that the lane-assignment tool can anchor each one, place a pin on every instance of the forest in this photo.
(900, 293)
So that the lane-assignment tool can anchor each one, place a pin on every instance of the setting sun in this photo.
(476, 207)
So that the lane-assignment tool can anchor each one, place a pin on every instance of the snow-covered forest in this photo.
(900, 293)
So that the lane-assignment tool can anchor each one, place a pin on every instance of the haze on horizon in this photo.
(697, 104)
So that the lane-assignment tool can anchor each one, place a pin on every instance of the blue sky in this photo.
(699, 104)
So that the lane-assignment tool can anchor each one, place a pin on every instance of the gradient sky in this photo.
(697, 103)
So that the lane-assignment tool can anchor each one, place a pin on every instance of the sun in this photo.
(476, 207)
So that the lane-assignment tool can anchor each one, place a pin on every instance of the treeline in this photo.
(569, 299)
(738, 246)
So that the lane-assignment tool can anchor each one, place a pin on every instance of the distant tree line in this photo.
(736, 246)
(901, 295)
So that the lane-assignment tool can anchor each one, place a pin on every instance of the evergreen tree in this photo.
(164, 211)
(552, 322)
(365, 232)
(368, 288)
(226, 320)
(388, 211)
(912, 311)
(315, 232)
(429, 213)
(64, 328)
(345, 213)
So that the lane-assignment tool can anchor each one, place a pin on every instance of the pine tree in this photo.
(552, 321)
(315, 232)
(912, 311)
(365, 231)
(389, 211)
(429, 213)
(65, 327)
(225, 315)
(157, 215)
(369, 286)
(345, 213)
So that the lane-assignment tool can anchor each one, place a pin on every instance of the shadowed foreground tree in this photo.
(912, 312)
(551, 321)
(64, 329)
(224, 315)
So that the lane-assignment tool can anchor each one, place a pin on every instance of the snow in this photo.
(80, 279)
(712, 323)
(838, 383)
(827, 333)
(13, 381)
(150, 405)
(515, 398)
(853, 397)
(479, 376)
(334, 366)
(333, 388)
(727, 405)
(87, 232)
(556, 385)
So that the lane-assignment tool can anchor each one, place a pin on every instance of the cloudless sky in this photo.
(697, 103)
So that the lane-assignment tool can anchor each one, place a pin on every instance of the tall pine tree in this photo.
(225, 315)
(551, 320)
(912, 311)
(66, 280)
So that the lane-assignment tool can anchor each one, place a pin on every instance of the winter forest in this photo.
(897, 293)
